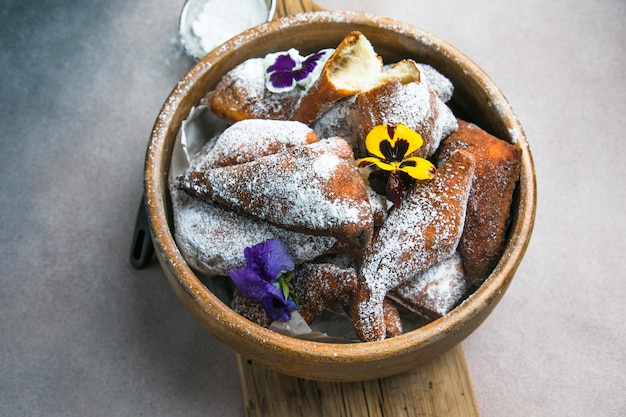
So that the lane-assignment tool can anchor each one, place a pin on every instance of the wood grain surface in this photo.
(291, 7)
(441, 387)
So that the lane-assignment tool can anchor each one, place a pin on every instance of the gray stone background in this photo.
(83, 334)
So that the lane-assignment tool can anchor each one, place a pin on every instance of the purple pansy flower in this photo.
(286, 70)
(266, 278)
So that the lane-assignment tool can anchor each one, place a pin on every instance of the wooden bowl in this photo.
(476, 99)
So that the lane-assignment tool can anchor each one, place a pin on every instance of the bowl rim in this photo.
(155, 189)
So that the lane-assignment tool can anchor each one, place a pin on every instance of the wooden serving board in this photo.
(441, 387)
(290, 7)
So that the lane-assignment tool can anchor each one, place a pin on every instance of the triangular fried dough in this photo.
(423, 231)
(488, 213)
(314, 189)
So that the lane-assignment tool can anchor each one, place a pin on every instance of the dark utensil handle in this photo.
(142, 250)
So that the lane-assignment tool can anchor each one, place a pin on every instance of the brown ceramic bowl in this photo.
(476, 99)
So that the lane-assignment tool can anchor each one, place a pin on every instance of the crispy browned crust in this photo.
(325, 92)
(294, 189)
(411, 104)
(241, 94)
(488, 212)
(393, 323)
(252, 311)
(319, 286)
(419, 234)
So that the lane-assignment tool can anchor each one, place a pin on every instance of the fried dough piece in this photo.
(343, 75)
(319, 286)
(212, 239)
(341, 120)
(391, 315)
(352, 68)
(498, 165)
(435, 292)
(250, 139)
(412, 104)
(436, 81)
(241, 94)
(424, 230)
(313, 189)
(246, 308)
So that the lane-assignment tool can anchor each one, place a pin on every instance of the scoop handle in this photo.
(291, 7)
(141, 250)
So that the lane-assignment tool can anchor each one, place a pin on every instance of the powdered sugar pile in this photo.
(205, 24)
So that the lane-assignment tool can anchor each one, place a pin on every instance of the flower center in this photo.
(395, 152)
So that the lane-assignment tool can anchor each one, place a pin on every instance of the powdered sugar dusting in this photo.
(298, 189)
(250, 139)
(422, 232)
(321, 285)
(213, 238)
(435, 292)
(436, 81)
(257, 102)
(285, 189)
(414, 105)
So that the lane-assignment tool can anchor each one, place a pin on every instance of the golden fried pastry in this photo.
(353, 62)
(250, 310)
(250, 139)
(313, 189)
(353, 67)
(416, 106)
(436, 81)
(423, 231)
(435, 292)
(341, 120)
(212, 238)
(241, 94)
(391, 315)
(488, 213)
(411, 104)
(320, 285)
(378, 203)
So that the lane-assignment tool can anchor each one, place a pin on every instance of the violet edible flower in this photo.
(286, 70)
(266, 278)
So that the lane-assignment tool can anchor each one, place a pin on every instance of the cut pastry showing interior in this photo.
(250, 139)
(212, 239)
(412, 104)
(314, 189)
(241, 94)
(488, 214)
(435, 292)
(353, 67)
(423, 231)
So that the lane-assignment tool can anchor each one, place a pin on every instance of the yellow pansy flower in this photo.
(391, 144)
